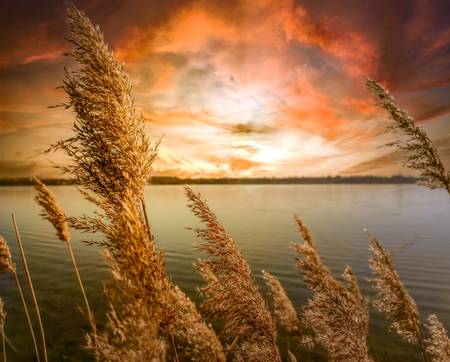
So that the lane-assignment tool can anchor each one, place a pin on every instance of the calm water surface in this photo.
(411, 221)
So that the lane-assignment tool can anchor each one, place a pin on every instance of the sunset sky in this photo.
(237, 88)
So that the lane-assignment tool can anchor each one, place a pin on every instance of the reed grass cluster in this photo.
(392, 297)
(337, 313)
(284, 311)
(421, 154)
(231, 294)
(151, 319)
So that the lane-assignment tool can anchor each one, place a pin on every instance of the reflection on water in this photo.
(411, 221)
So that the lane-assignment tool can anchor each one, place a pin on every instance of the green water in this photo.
(412, 221)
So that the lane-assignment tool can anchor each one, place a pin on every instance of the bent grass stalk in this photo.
(30, 282)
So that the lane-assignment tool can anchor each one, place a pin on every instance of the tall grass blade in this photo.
(7, 265)
(30, 284)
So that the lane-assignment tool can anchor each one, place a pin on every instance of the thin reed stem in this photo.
(33, 294)
(4, 344)
(421, 343)
(25, 307)
(147, 225)
(144, 210)
(86, 302)
(174, 348)
(230, 347)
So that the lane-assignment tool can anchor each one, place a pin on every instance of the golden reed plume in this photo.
(337, 313)
(111, 160)
(421, 154)
(52, 211)
(392, 297)
(438, 345)
(231, 294)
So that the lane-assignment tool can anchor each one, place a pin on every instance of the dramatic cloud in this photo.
(239, 88)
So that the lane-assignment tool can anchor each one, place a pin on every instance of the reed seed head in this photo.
(421, 154)
(438, 345)
(6, 263)
(51, 210)
(283, 310)
(337, 313)
(110, 151)
(196, 341)
(392, 297)
(130, 336)
(2, 314)
(231, 293)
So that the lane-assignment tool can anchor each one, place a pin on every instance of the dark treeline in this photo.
(171, 180)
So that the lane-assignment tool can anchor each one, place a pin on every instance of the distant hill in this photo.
(169, 180)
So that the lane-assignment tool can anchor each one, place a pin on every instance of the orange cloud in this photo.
(267, 88)
(359, 57)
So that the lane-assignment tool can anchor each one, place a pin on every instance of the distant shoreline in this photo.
(169, 180)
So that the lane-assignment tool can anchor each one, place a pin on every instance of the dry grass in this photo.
(421, 154)
(336, 313)
(149, 318)
(392, 296)
(284, 311)
(231, 293)
(32, 290)
(393, 299)
(52, 212)
(195, 340)
(111, 159)
(438, 345)
(7, 265)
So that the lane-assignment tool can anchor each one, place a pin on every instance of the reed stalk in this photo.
(7, 265)
(27, 314)
(30, 283)
(52, 211)
(83, 292)
(2, 327)
(421, 154)
(4, 344)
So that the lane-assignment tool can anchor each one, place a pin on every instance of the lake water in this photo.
(411, 221)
